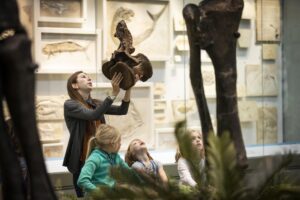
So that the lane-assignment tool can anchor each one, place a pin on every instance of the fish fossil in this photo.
(53, 6)
(126, 14)
(60, 47)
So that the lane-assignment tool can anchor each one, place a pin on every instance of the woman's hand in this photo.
(115, 82)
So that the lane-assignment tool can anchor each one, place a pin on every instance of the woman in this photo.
(83, 114)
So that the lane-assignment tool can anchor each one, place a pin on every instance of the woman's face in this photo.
(197, 140)
(137, 145)
(84, 82)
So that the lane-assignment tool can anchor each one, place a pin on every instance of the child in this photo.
(183, 168)
(104, 149)
(138, 157)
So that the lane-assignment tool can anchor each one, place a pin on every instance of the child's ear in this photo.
(74, 85)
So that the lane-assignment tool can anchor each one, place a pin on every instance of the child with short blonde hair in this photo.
(102, 154)
(138, 157)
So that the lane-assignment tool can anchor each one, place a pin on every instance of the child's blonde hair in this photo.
(178, 153)
(105, 135)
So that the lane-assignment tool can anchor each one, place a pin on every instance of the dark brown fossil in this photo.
(213, 26)
(122, 60)
(17, 86)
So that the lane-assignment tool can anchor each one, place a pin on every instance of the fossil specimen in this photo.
(18, 88)
(60, 47)
(213, 26)
(126, 14)
(122, 60)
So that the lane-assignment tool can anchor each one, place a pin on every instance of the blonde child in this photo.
(183, 168)
(138, 157)
(103, 153)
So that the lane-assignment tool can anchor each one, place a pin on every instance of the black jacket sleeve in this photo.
(75, 109)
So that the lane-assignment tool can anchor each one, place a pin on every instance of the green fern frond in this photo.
(222, 169)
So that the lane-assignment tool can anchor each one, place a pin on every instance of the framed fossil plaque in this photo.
(67, 50)
(247, 111)
(209, 81)
(249, 9)
(244, 40)
(50, 131)
(54, 150)
(160, 112)
(26, 15)
(182, 43)
(267, 131)
(184, 109)
(149, 23)
(49, 108)
(166, 139)
(261, 80)
(64, 11)
(179, 23)
(269, 51)
(268, 20)
(138, 122)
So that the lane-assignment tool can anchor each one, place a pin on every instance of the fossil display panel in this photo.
(267, 125)
(159, 90)
(244, 40)
(50, 132)
(148, 22)
(54, 150)
(269, 51)
(184, 110)
(249, 9)
(72, 35)
(50, 107)
(26, 15)
(66, 51)
(209, 81)
(247, 111)
(71, 11)
(166, 139)
(138, 122)
(160, 112)
(182, 43)
(268, 20)
(179, 23)
(262, 80)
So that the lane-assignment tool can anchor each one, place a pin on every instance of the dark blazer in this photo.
(76, 116)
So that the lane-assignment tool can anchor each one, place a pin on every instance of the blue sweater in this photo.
(96, 170)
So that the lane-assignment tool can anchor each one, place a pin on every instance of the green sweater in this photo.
(96, 170)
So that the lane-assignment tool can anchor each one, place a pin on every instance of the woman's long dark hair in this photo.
(75, 95)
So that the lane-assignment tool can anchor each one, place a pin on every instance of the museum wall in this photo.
(77, 35)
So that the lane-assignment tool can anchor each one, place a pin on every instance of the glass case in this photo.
(75, 35)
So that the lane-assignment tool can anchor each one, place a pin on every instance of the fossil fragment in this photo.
(126, 14)
(55, 6)
(60, 47)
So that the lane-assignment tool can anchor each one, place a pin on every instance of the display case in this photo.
(65, 42)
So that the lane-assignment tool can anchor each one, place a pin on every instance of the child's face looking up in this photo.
(137, 145)
(197, 142)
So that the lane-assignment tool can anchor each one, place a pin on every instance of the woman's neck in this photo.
(85, 95)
